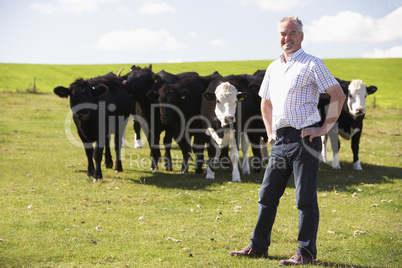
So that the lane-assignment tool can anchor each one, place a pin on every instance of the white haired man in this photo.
(290, 92)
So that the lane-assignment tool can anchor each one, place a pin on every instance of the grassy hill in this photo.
(384, 73)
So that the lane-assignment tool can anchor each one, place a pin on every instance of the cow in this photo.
(180, 105)
(100, 107)
(232, 109)
(350, 122)
(252, 123)
(140, 83)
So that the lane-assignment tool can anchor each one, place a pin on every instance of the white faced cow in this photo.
(221, 115)
(350, 122)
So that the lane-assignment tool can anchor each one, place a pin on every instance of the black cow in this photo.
(232, 108)
(180, 106)
(100, 107)
(255, 128)
(140, 83)
(350, 121)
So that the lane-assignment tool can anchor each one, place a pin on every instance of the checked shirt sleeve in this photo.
(323, 77)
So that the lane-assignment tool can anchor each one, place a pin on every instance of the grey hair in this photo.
(294, 19)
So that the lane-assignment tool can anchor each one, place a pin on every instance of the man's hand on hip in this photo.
(312, 132)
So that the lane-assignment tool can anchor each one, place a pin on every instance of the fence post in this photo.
(34, 86)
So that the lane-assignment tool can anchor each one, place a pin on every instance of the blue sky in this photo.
(147, 31)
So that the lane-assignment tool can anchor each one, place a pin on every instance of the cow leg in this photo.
(186, 152)
(355, 149)
(167, 143)
(118, 141)
(224, 159)
(185, 147)
(324, 157)
(212, 162)
(155, 157)
(137, 126)
(255, 141)
(137, 135)
(234, 156)
(98, 154)
(108, 155)
(198, 150)
(211, 149)
(150, 133)
(155, 151)
(244, 149)
(335, 145)
(90, 154)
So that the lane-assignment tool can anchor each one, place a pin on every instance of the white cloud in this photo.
(393, 52)
(273, 5)
(45, 8)
(139, 39)
(218, 43)
(70, 6)
(123, 9)
(352, 26)
(193, 35)
(156, 8)
(389, 27)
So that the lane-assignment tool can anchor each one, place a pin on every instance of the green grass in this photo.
(384, 73)
(76, 223)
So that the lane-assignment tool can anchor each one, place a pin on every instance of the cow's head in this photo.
(357, 94)
(170, 97)
(139, 80)
(226, 97)
(82, 97)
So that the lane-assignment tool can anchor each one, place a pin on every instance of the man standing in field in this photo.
(290, 92)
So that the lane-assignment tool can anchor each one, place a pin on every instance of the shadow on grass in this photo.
(328, 178)
(348, 177)
(321, 263)
(189, 181)
(346, 265)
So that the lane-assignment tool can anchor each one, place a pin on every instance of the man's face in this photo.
(289, 37)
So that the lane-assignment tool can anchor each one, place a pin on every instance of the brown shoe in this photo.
(298, 260)
(249, 252)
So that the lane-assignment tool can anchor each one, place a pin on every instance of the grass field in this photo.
(384, 73)
(52, 215)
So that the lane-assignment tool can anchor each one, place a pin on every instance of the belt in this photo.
(285, 130)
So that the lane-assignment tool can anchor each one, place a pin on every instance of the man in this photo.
(290, 92)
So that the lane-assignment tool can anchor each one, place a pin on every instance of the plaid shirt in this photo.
(294, 88)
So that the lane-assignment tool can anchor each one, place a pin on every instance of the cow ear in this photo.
(100, 90)
(150, 67)
(241, 96)
(156, 78)
(183, 93)
(371, 89)
(153, 95)
(62, 92)
(209, 96)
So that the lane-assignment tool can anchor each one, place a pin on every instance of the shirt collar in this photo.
(292, 56)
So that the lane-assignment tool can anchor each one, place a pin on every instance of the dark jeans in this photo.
(290, 153)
